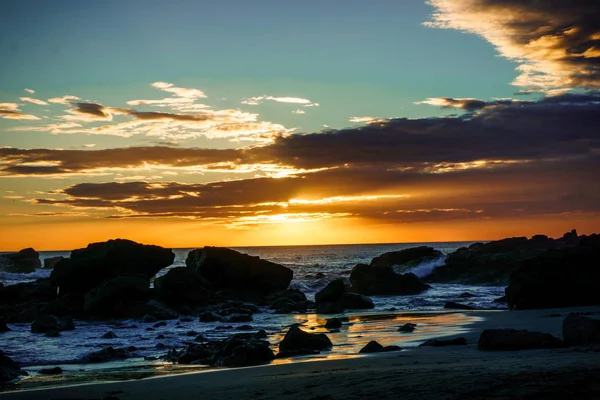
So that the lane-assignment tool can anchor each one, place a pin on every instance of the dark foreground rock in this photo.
(512, 339)
(296, 340)
(51, 371)
(288, 301)
(458, 306)
(51, 323)
(98, 262)
(247, 277)
(406, 259)
(50, 263)
(374, 347)
(565, 277)
(108, 354)
(115, 298)
(3, 326)
(382, 280)
(9, 369)
(408, 328)
(335, 298)
(578, 330)
(23, 262)
(460, 341)
(182, 287)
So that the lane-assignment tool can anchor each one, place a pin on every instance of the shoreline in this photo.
(461, 371)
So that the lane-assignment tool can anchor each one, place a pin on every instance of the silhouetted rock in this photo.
(108, 354)
(460, 341)
(53, 334)
(407, 259)
(458, 306)
(333, 323)
(51, 371)
(371, 347)
(115, 298)
(382, 280)
(298, 340)
(512, 339)
(238, 318)
(109, 335)
(558, 278)
(408, 327)
(98, 262)
(330, 307)
(48, 323)
(356, 301)
(182, 287)
(247, 276)
(23, 262)
(209, 316)
(288, 300)
(501, 299)
(3, 326)
(578, 330)
(50, 263)
(9, 369)
(332, 292)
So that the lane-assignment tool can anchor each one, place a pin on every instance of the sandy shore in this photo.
(460, 372)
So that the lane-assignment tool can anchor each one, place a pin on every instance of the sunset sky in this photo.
(236, 122)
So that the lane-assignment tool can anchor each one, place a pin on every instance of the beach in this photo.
(455, 372)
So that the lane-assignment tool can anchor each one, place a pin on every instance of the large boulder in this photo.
(182, 287)
(383, 280)
(50, 262)
(512, 339)
(298, 341)
(356, 301)
(564, 277)
(9, 369)
(98, 262)
(578, 330)
(247, 276)
(115, 297)
(288, 301)
(23, 262)
(24, 301)
(406, 259)
(335, 298)
(332, 292)
(108, 354)
(51, 323)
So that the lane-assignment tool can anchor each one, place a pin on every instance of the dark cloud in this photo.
(92, 109)
(99, 111)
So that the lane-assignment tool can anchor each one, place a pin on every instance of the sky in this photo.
(239, 123)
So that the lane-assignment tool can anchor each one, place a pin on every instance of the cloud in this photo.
(293, 100)
(30, 91)
(66, 100)
(34, 101)
(364, 119)
(299, 111)
(557, 43)
(183, 100)
(179, 91)
(12, 111)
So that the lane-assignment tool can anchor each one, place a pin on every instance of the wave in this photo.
(13, 277)
(426, 268)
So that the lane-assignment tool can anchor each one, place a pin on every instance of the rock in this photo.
(182, 287)
(408, 327)
(159, 324)
(245, 328)
(52, 334)
(48, 323)
(109, 335)
(149, 319)
(330, 307)
(288, 301)
(98, 262)
(153, 309)
(382, 280)
(371, 347)
(25, 261)
(512, 339)
(331, 293)
(466, 295)
(578, 330)
(564, 277)
(298, 340)
(390, 348)
(458, 306)
(501, 299)
(333, 323)
(9, 370)
(191, 333)
(356, 301)
(461, 341)
(209, 316)
(239, 318)
(408, 258)
(50, 263)
(107, 354)
(51, 371)
(3, 326)
(115, 298)
(246, 276)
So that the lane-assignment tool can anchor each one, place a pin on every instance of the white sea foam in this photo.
(426, 268)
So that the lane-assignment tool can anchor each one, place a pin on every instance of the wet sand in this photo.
(460, 372)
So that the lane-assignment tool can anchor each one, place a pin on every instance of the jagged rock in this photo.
(356, 301)
(332, 292)
(406, 259)
(98, 262)
(109, 335)
(9, 370)
(24, 262)
(458, 306)
(565, 277)
(512, 339)
(408, 327)
(182, 287)
(51, 371)
(50, 263)
(115, 298)
(382, 280)
(371, 347)
(246, 276)
(461, 341)
(298, 340)
(48, 323)
(333, 323)
(108, 354)
(578, 330)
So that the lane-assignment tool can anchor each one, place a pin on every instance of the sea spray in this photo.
(426, 268)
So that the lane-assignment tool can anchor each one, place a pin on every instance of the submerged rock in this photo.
(23, 262)
(460, 341)
(382, 280)
(512, 339)
(408, 327)
(109, 335)
(407, 259)
(458, 306)
(333, 323)
(578, 330)
(51, 371)
(298, 340)
(108, 354)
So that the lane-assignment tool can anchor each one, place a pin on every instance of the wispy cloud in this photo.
(34, 101)
(299, 111)
(183, 99)
(364, 119)
(293, 100)
(66, 100)
(30, 91)
(179, 91)
(12, 111)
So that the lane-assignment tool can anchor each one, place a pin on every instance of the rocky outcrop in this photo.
(407, 259)
(182, 287)
(334, 298)
(50, 262)
(374, 347)
(512, 339)
(578, 330)
(460, 341)
(23, 262)
(493, 262)
(288, 301)
(98, 262)
(24, 301)
(558, 278)
(247, 277)
(382, 280)
(9, 369)
(115, 298)
(296, 342)
(407, 328)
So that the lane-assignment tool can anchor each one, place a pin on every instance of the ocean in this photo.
(313, 266)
